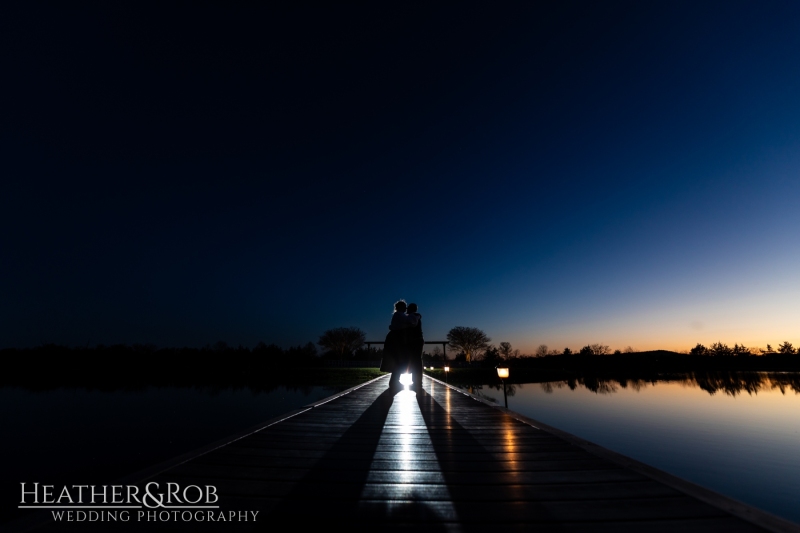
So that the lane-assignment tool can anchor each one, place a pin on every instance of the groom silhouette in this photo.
(416, 343)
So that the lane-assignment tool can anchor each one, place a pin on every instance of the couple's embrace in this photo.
(402, 351)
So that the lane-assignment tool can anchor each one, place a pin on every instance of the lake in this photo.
(75, 435)
(738, 434)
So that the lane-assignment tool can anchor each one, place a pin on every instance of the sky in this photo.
(559, 173)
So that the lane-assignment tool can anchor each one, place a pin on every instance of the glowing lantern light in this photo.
(502, 373)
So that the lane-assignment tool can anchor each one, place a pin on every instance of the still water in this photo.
(736, 434)
(75, 435)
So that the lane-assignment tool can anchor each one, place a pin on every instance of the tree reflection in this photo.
(477, 390)
(728, 382)
(734, 383)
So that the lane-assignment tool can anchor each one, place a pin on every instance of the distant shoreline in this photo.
(130, 367)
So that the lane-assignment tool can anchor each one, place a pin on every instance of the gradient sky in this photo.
(562, 173)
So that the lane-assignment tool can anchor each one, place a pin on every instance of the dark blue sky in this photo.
(557, 173)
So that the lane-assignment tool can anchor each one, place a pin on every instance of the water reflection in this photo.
(728, 383)
(480, 390)
(733, 432)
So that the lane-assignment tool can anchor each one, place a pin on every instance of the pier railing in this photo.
(443, 343)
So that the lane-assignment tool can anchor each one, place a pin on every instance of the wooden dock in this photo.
(437, 460)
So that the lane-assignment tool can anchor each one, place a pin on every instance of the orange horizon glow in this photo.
(530, 348)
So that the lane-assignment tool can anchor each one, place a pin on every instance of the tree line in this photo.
(473, 344)
(719, 349)
(468, 345)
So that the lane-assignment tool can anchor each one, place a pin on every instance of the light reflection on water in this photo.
(736, 434)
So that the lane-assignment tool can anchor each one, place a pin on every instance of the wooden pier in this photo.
(436, 460)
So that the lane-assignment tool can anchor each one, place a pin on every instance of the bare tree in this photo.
(600, 349)
(436, 354)
(628, 350)
(471, 341)
(541, 351)
(505, 349)
(342, 340)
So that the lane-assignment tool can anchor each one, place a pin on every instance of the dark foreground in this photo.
(438, 460)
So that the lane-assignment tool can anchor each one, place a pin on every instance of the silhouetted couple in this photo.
(402, 351)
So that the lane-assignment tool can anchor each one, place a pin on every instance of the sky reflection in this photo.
(731, 383)
(740, 439)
